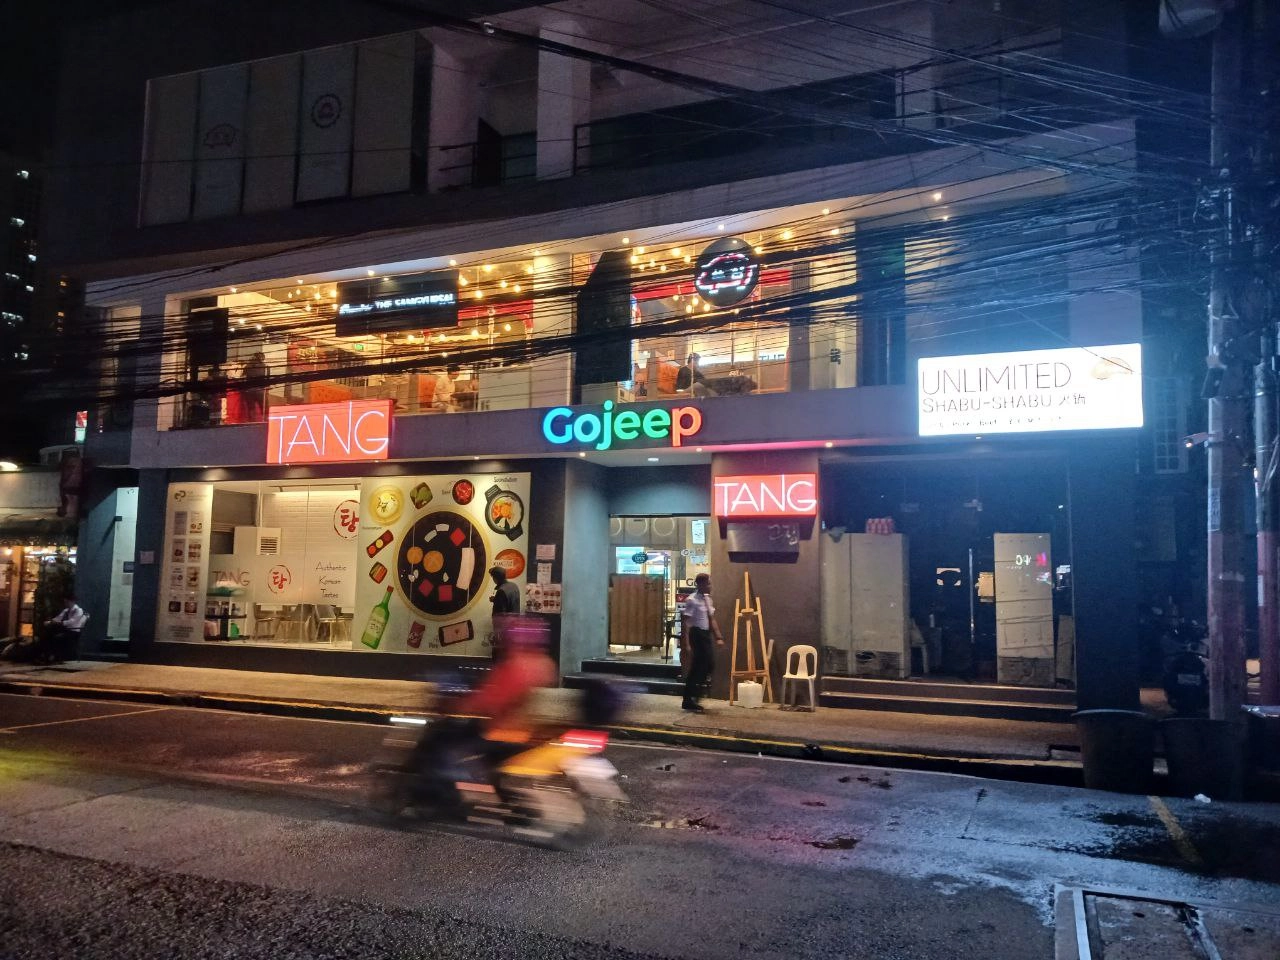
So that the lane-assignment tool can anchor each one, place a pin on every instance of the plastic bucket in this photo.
(750, 695)
(1205, 756)
(1117, 748)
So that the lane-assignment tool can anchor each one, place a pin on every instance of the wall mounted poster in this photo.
(185, 561)
(424, 550)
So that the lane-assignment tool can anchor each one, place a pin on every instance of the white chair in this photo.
(802, 665)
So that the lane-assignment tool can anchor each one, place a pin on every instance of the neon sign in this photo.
(772, 495)
(329, 432)
(561, 425)
(726, 272)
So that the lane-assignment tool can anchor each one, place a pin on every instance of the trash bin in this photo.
(1205, 756)
(1264, 738)
(1117, 748)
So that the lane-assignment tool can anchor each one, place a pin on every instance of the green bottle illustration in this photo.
(377, 623)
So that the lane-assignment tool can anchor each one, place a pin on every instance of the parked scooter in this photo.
(539, 783)
(1185, 677)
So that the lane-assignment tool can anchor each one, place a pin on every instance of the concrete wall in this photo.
(1103, 570)
(789, 586)
(585, 565)
(29, 490)
(660, 492)
(813, 416)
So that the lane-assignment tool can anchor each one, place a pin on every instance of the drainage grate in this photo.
(1108, 925)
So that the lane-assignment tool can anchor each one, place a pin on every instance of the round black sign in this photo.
(441, 563)
(326, 109)
(726, 272)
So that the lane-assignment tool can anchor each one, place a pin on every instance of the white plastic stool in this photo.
(750, 695)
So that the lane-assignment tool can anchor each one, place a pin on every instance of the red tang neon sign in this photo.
(773, 495)
(329, 432)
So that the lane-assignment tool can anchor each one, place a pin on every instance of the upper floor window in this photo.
(1168, 425)
(265, 135)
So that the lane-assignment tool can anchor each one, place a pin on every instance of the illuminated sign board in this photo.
(562, 425)
(726, 272)
(329, 432)
(1073, 388)
(770, 495)
(387, 304)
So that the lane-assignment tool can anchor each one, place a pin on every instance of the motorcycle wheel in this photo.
(557, 817)
(389, 794)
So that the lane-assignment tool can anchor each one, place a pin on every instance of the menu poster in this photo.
(423, 553)
(544, 598)
(185, 561)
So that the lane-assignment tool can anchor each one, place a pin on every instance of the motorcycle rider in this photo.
(492, 720)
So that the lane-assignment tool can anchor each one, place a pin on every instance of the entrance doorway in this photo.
(654, 560)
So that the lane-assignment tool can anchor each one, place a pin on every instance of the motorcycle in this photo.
(539, 784)
(1185, 678)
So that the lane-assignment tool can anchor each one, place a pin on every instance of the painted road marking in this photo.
(1186, 849)
(100, 716)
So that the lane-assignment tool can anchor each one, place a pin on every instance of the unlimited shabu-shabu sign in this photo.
(1073, 388)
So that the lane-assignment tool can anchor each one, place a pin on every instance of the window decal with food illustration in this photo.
(432, 540)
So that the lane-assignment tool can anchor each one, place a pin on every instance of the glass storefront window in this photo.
(397, 564)
(738, 357)
(668, 553)
(287, 336)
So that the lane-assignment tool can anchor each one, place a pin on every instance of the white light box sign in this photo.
(1074, 388)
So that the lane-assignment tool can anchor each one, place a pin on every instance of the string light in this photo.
(488, 268)
(462, 281)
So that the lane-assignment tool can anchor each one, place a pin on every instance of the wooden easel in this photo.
(748, 613)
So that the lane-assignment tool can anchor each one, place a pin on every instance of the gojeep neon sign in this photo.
(329, 432)
(773, 495)
(561, 425)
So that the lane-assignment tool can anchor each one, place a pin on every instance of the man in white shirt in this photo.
(57, 640)
(442, 397)
(62, 636)
(698, 627)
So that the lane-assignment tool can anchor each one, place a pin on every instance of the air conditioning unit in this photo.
(866, 603)
(256, 541)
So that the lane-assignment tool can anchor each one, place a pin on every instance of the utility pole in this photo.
(1266, 416)
(1226, 546)
(1267, 461)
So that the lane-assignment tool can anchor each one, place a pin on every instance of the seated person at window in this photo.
(57, 639)
(443, 398)
(690, 374)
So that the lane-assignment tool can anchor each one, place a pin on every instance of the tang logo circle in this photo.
(511, 561)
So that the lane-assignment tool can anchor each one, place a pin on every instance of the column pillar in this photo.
(564, 91)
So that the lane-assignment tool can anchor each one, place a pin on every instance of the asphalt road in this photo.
(138, 831)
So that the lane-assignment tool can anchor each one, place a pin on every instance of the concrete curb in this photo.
(1054, 772)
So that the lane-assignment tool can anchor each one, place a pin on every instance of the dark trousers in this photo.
(701, 661)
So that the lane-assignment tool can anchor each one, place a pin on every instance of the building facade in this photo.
(384, 305)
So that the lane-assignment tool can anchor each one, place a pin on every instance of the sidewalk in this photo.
(1018, 750)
